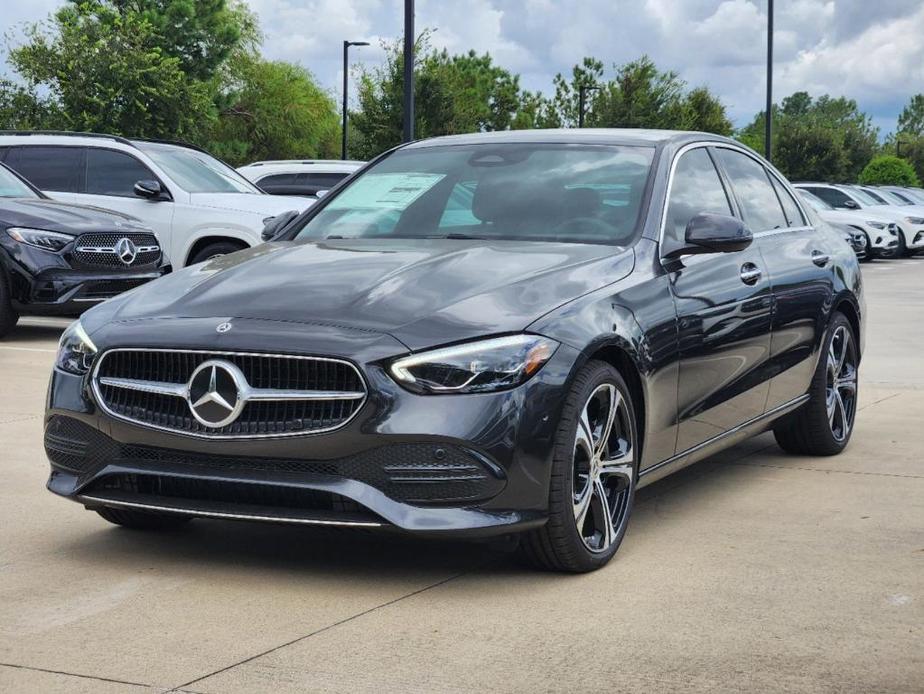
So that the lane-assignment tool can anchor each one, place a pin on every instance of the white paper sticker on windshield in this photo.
(385, 191)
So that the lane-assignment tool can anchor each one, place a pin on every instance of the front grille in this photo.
(407, 472)
(100, 250)
(258, 418)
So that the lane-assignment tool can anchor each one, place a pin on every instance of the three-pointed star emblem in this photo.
(212, 394)
(215, 393)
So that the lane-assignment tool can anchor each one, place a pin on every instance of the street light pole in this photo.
(768, 121)
(346, 68)
(408, 70)
(582, 90)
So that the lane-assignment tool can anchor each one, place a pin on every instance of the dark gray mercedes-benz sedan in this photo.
(484, 334)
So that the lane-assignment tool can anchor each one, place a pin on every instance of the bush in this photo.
(889, 170)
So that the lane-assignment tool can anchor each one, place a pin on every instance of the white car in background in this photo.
(198, 206)
(912, 196)
(908, 219)
(305, 177)
(881, 232)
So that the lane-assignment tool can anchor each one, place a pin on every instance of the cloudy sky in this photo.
(869, 50)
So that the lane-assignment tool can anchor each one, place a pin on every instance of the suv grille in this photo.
(102, 250)
(282, 396)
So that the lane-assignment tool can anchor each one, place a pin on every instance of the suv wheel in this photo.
(593, 475)
(215, 250)
(142, 520)
(824, 424)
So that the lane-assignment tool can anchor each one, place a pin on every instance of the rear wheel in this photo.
(824, 424)
(142, 520)
(593, 476)
(8, 316)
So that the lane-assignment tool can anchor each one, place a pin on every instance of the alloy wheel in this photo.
(841, 384)
(604, 468)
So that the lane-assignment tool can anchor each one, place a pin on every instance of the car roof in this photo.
(266, 168)
(609, 136)
(57, 137)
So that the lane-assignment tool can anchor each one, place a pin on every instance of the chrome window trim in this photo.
(725, 145)
(101, 402)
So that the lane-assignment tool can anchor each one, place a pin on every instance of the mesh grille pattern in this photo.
(112, 260)
(413, 472)
(258, 418)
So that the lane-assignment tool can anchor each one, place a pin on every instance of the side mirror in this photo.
(851, 205)
(714, 233)
(152, 190)
(273, 225)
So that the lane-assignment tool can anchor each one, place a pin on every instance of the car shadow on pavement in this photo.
(33, 333)
(354, 554)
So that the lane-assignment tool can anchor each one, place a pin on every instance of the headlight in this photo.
(915, 220)
(475, 367)
(876, 225)
(46, 240)
(75, 351)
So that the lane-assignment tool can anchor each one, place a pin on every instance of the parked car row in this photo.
(86, 216)
(890, 217)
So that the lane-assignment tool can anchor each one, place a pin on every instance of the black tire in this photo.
(213, 250)
(142, 520)
(560, 545)
(8, 316)
(868, 255)
(813, 429)
(902, 246)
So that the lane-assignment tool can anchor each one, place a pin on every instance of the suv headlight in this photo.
(876, 225)
(475, 367)
(46, 240)
(915, 220)
(76, 350)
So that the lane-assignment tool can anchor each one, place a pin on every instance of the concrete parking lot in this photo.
(752, 571)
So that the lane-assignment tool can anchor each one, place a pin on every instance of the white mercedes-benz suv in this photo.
(198, 206)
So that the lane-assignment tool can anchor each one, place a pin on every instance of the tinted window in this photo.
(542, 192)
(793, 215)
(759, 204)
(321, 180)
(48, 168)
(696, 188)
(114, 173)
(3, 151)
(278, 180)
(832, 196)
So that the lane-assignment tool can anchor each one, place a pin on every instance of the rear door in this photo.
(723, 305)
(55, 170)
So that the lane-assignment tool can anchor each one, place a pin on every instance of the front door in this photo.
(723, 304)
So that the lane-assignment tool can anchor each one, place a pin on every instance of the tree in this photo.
(889, 170)
(911, 120)
(452, 93)
(824, 139)
(22, 109)
(273, 110)
(111, 76)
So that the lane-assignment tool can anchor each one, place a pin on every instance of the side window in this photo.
(759, 204)
(832, 196)
(793, 215)
(321, 180)
(696, 188)
(3, 151)
(47, 167)
(114, 173)
(271, 183)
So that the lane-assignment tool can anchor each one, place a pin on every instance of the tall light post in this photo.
(582, 91)
(768, 121)
(346, 68)
(408, 70)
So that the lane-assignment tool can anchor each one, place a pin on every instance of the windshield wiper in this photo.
(458, 237)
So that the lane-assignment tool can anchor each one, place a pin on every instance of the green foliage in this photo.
(22, 109)
(273, 110)
(889, 170)
(823, 139)
(453, 94)
(110, 76)
(911, 120)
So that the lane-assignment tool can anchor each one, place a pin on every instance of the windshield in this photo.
(891, 198)
(864, 197)
(197, 172)
(815, 201)
(535, 192)
(12, 187)
(914, 195)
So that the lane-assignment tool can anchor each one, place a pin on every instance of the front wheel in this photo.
(593, 475)
(824, 424)
(215, 250)
(902, 246)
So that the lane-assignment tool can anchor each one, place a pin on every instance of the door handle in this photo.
(750, 273)
(820, 259)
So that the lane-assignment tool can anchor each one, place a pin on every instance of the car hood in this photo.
(895, 213)
(262, 205)
(64, 217)
(855, 216)
(421, 292)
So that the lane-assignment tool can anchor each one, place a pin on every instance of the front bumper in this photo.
(469, 465)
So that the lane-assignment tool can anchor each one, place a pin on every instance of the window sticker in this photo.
(385, 191)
